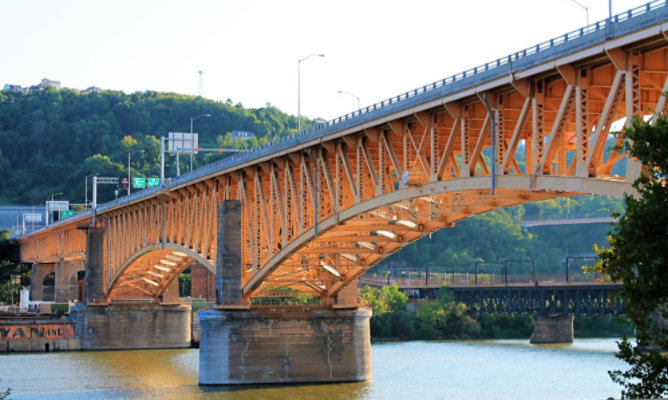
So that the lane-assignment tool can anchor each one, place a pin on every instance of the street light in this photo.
(192, 138)
(130, 153)
(350, 94)
(584, 7)
(299, 89)
(49, 210)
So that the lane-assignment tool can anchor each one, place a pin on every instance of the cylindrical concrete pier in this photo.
(284, 345)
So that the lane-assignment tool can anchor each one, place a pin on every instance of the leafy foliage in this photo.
(10, 291)
(648, 376)
(638, 255)
(52, 139)
(446, 319)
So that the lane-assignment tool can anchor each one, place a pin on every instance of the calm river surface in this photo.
(493, 369)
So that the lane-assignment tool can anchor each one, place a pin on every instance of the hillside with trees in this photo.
(53, 139)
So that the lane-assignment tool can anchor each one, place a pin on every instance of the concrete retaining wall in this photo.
(284, 346)
(37, 336)
(132, 326)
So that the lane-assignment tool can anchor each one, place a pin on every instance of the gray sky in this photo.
(248, 49)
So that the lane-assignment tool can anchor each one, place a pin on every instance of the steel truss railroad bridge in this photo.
(319, 208)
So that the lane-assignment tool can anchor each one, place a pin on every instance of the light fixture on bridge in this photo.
(406, 223)
(150, 282)
(173, 258)
(178, 253)
(317, 288)
(350, 257)
(368, 245)
(156, 274)
(380, 213)
(430, 199)
(388, 234)
(161, 268)
(330, 269)
(167, 262)
(405, 205)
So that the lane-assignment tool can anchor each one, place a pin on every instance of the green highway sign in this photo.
(153, 182)
(66, 214)
(139, 183)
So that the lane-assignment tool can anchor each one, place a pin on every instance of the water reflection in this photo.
(407, 370)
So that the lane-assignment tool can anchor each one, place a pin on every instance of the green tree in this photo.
(389, 315)
(446, 318)
(638, 256)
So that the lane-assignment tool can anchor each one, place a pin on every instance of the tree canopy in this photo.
(638, 256)
(52, 139)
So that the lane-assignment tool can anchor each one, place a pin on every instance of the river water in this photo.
(491, 369)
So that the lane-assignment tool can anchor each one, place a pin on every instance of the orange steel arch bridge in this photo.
(319, 208)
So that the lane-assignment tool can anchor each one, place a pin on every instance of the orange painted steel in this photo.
(383, 184)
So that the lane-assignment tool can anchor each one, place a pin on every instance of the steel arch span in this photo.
(319, 209)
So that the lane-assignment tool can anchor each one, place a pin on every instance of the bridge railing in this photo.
(598, 32)
(491, 279)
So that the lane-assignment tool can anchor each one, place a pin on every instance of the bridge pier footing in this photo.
(132, 326)
(281, 345)
(552, 329)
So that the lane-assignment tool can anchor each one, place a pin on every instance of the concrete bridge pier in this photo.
(284, 345)
(242, 345)
(66, 286)
(37, 275)
(131, 325)
(552, 329)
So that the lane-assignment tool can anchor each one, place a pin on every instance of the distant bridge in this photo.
(525, 297)
(568, 221)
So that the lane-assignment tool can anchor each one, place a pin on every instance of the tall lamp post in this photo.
(584, 8)
(299, 88)
(350, 94)
(49, 210)
(129, 181)
(192, 137)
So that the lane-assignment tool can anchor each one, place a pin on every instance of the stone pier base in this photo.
(132, 326)
(284, 345)
(552, 329)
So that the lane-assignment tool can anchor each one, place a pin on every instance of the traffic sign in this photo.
(139, 183)
(32, 217)
(66, 214)
(58, 205)
(107, 180)
(182, 142)
(153, 182)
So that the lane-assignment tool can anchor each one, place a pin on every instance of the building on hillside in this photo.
(43, 85)
(34, 88)
(13, 88)
(92, 89)
(245, 135)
